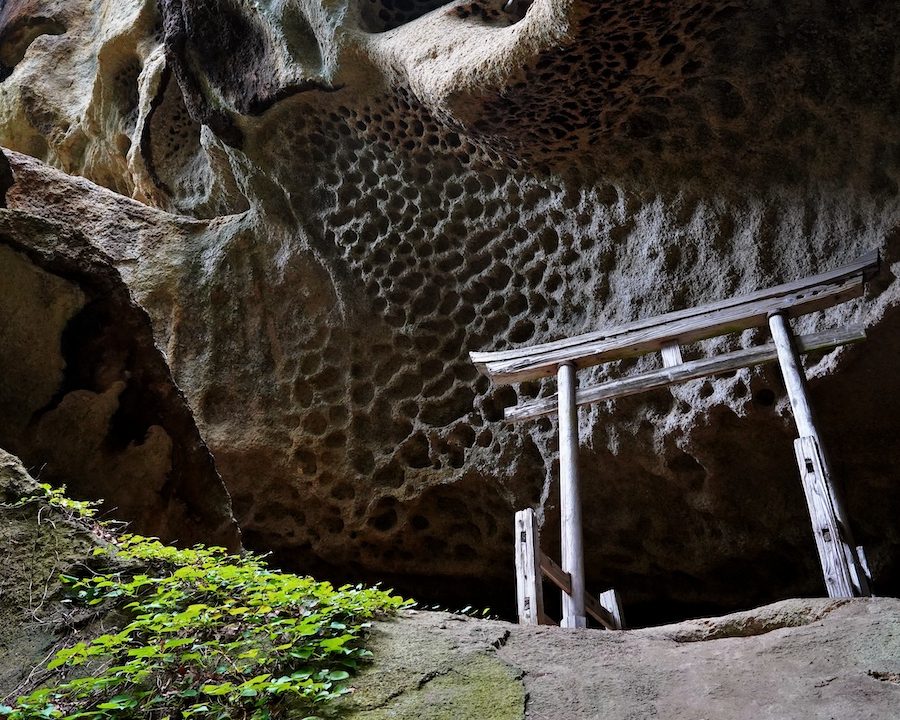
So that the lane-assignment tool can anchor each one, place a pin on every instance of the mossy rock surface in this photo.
(435, 666)
(37, 544)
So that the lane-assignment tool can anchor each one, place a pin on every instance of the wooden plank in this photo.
(860, 269)
(599, 613)
(612, 603)
(529, 590)
(826, 530)
(555, 573)
(692, 370)
(563, 581)
(691, 329)
(795, 383)
(671, 354)
(570, 500)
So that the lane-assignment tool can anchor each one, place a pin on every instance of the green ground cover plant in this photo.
(204, 634)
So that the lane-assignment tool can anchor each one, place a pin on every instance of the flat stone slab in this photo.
(796, 659)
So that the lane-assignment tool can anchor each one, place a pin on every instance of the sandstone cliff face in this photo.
(340, 199)
(86, 397)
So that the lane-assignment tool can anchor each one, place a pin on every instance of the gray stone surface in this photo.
(797, 659)
(350, 197)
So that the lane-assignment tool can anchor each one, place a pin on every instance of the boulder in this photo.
(86, 397)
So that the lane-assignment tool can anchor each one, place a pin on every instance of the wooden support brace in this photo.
(601, 611)
(529, 591)
(555, 574)
(826, 528)
(858, 564)
(795, 383)
(863, 562)
(691, 370)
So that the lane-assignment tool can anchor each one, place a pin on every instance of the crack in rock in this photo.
(889, 677)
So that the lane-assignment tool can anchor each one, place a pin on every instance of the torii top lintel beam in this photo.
(682, 326)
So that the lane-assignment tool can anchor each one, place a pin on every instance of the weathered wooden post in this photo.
(844, 576)
(836, 566)
(671, 354)
(570, 499)
(529, 591)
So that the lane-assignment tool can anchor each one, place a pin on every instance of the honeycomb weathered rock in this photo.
(408, 181)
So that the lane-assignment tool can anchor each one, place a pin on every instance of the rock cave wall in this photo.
(351, 196)
(85, 396)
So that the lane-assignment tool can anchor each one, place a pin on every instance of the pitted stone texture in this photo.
(429, 190)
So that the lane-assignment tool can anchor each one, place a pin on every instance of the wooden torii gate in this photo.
(844, 565)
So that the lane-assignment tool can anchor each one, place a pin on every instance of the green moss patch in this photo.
(479, 686)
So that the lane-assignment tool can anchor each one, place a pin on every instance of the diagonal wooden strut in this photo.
(834, 551)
